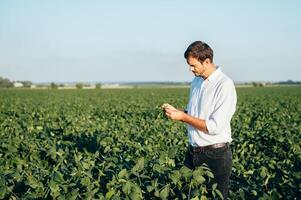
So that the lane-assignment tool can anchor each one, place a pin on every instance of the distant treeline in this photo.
(6, 83)
(156, 83)
(289, 82)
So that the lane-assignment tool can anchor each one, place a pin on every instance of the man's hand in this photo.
(168, 106)
(173, 113)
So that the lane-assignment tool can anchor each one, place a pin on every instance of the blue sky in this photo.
(66, 41)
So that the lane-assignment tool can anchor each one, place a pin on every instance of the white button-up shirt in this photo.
(213, 100)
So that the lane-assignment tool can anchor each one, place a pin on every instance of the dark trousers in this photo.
(218, 160)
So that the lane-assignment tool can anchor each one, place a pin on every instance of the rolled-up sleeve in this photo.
(223, 110)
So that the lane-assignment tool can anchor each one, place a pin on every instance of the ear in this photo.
(207, 61)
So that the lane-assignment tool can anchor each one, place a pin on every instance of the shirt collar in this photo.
(214, 75)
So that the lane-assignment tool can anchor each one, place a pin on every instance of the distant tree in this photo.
(98, 85)
(53, 85)
(79, 85)
(41, 86)
(26, 84)
(257, 84)
(5, 83)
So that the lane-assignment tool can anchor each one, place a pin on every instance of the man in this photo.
(211, 106)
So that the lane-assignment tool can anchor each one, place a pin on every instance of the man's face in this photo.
(196, 67)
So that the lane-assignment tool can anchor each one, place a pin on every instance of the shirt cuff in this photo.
(210, 127)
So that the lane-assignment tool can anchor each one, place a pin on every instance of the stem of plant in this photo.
(139, 180)
(13, 193)
(189, 188)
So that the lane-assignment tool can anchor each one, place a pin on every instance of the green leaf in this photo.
(54, 188)
(136, 192)
(144, 176)
(139, 165)
(2, 192)
(85, 181)
(165, 192)
(157, 193)
(17, 176)
(126, 188)
(254, 192)
(198, 176)
(209, 174)
(123, 174)
(110, 193)
(219, 194)
(58, 177)
(86, 165)
(149, 188)
(203, 197)
(73, 195)
(186, 172)
(33, 182)
(263, 173)
(2, 181)
(175, 176)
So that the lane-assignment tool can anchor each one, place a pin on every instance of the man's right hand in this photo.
(168, 106)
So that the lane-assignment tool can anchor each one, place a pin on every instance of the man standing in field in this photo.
(211, 106)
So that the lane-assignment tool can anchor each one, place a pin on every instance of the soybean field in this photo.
(117, 144)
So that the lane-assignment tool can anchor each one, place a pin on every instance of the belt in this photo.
(204, 148)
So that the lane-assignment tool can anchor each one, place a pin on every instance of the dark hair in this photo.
(200, 51)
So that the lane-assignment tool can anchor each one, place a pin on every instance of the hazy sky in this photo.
(63, 41)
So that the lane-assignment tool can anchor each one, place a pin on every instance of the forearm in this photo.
(195, 122)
